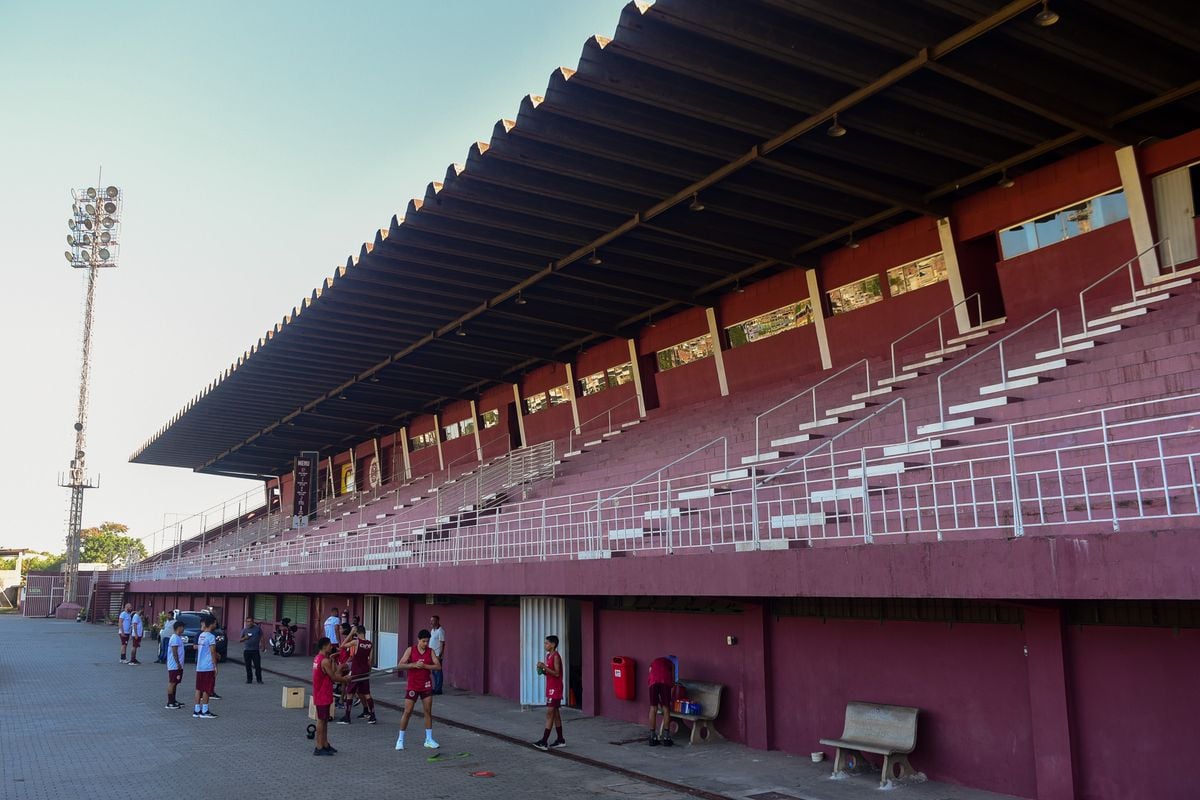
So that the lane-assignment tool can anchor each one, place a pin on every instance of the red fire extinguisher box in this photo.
(623, 669)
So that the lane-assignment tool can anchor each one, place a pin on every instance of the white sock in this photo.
(429, 734)
(204, 709)
(197, 708)
(400, 738)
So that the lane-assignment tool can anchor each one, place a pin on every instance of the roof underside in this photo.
(730, 100)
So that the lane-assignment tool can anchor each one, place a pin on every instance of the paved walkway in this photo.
(74, 722)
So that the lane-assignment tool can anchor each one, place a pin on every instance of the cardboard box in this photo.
(293, 697)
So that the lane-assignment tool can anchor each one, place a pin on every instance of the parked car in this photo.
(191, 632)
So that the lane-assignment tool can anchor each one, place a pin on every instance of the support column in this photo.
(637, 378)
(404, 454)
(437, 437)
(520, 413)
(475, 420)
(571, 394)
(962, 311)
(589, 659)
(755, 666)
(818, 317)
(718, 352)
(1049, 714)
(1139, 215)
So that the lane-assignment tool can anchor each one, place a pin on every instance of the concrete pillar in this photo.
(755, 667)
(1139, 214)
(590, 659)
(520, 414)
(818, 317)
(718, 353)
(637, 378)
(962, 311)
(404, 454)
(437, 437)
(571, 394)
(475, 419)
(1049, 714)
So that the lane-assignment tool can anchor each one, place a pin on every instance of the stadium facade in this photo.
(844, 352)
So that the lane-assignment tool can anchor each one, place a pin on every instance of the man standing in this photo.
(360, 677)
(164, 636)
(661, 679)
(419, 661)
(332, 623)
(206, 668)
(552, 668)
(137, 629)
(123, 627)
(437, 641)
(324, 676)
(252, 642)
(175, 659)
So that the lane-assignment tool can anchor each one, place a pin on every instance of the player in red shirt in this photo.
(324, 676)
(552, 668)
(360, 648)
(661, 678)
(420, 662)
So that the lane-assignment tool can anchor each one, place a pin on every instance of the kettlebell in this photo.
(311, 732)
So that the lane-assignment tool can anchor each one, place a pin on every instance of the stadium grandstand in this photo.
(844, 350)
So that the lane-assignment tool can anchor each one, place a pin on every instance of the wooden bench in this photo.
(889, 731)
(708, 695)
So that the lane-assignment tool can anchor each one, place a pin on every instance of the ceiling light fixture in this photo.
(1005, 182)
(342, 396)
(835, 130)
(695, 205)
(853, 245)
(595, 259)
(1046, 17)
(461, 331)
(737, 286)
(520, 299)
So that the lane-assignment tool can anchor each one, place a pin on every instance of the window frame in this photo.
(806, 319)
(866, 278)
(1049, 215)
(658, 356)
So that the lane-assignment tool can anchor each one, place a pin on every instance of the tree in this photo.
(108, 545)
(42, 562)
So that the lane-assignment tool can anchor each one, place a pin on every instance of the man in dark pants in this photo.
(252, 641)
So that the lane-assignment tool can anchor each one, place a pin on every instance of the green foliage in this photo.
(108, 545)
(8, 563)
(43, 562)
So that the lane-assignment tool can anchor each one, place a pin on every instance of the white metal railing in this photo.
(940, 328)
(1109, 467)
(1128, 266)
(812, 390)
(577, 432)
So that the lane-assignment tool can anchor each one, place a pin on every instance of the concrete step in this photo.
(875, 470)
(968, 337)
(949, 425)
(611, 434)
(903, 376)
(945, 351)
(573, 453)
(769, 544)
(979, 405)
(1179, 273)
(1019, 383)
(1145, 300)
(731, 475)
(697, 494)
(1067, 348)
(991, 323)
(1045, 366)
(1162, 286)
(797, 439)
(872, 393)
(670, 512)
(929, 362)
(821, 423)
(631, 423)
(831, 495)
(629, 533)
(909, 448)
(1136, 312)
(770, 455)
(846, 409)
(1088, 334)
(596, 443)
(796, 521)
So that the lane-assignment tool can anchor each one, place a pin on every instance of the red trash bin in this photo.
(623, 668)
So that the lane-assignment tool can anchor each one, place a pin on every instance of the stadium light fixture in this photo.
(1005, 182)
(1046, 17)
(594, 259)
(835, 130)
(695, 205)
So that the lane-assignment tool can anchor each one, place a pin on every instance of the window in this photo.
(490, 418)
(295, 608)
(422, 440)
(855, 295)
(916, 274)
(685, 353)
(770, 323)
(606, 379)
(560, 395)
(1065, 223)
(264, 607)
(456, 429)
(536, 403)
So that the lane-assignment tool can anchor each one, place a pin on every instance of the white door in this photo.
(382, 621)
(1174, 208)
(540, 617)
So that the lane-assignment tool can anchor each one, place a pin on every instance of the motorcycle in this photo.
(283, 642)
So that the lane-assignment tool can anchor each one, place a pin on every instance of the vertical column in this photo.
(962, 311)
(476, 421)
(1049, 714)
(437, 437)
(589, 659)
(520, 413)
(756, 665)
(404, 454)
(718, 349)
(571, 394)
(1139, 215)
(818, 316)
(637, 378)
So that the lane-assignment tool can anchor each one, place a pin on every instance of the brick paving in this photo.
(80, 724)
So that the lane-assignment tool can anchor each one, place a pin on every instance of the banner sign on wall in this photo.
(304, 494)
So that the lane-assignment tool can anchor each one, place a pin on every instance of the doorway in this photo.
(1175, 195)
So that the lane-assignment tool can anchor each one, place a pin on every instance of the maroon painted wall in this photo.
(689, 383)
(1133, 693)
(504, 651)
(870, 331)
(791, 354)
(621, 400)
(464, 641)
(969, 681)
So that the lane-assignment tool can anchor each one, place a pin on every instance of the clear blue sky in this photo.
(258, 144)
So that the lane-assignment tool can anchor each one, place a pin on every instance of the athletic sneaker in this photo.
(371, 720)
(135, 663)
(123, 660)
(399, 744)
(320, 751)
(362, 714)
(558, 744)
(208, 715)
(653, 740)
(343, 722)
(196, 715)
(214, 696)
(177, 705)
(667, 741)
(329, 748)
(541, 745)
(431, 744)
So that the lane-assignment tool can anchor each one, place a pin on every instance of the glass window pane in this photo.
(620, 375)
(450, 432)
(590, 384)
(1075, 220)
(467, 426)
(917, 274)
(861, 293)
(535, 403)
(685, 353)
(559, 395)
(771, 323)
(491, 418)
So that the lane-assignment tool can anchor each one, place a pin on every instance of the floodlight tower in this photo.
(95, 225)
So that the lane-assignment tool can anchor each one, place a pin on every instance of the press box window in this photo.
(1066, 223)
(423, 440)
(457, 429)
(766, 325)
(490, 418)
(685, 353)
(535, 403)
(861, 293)
(606, 379)
(559, 395)
(916, 274)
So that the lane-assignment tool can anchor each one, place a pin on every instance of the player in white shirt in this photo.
(137, 629)
(175, 658)
(333, 627)
(206, 668)
(123, 626)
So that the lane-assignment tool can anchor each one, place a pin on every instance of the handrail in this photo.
(938, 319)
(1000, 344)
(1128, 265)
(577, 430)
(813, 389)
(629, 487)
